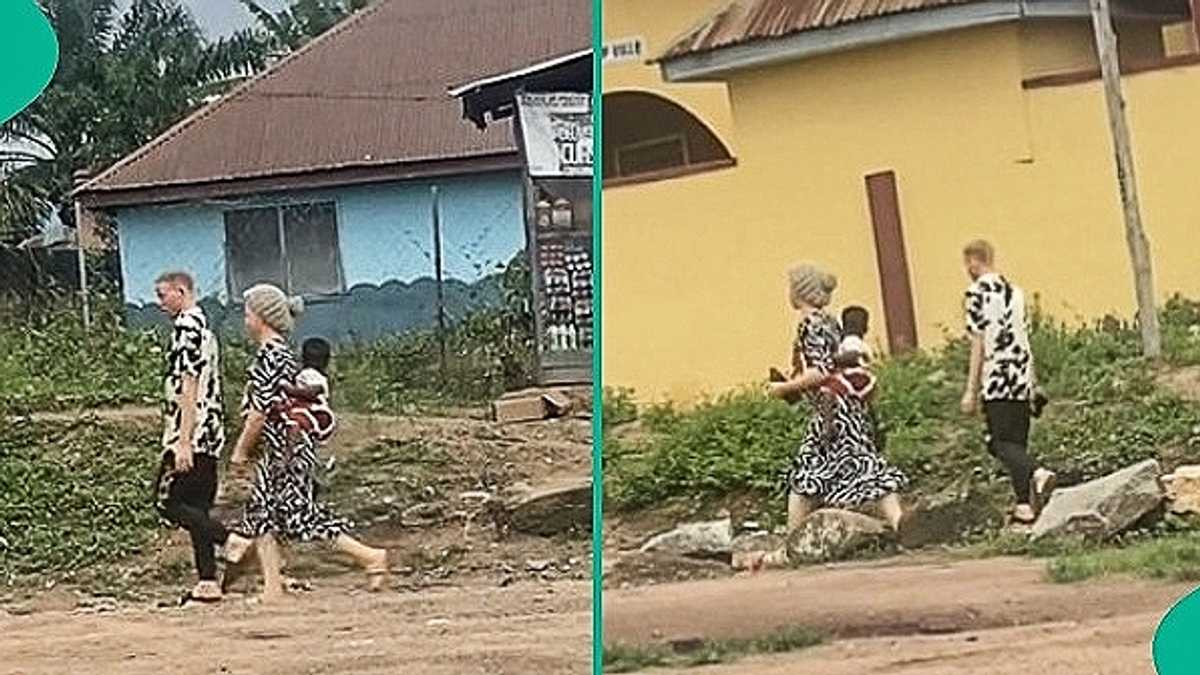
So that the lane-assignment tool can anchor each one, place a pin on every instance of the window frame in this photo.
(279, 209)
(679, 138)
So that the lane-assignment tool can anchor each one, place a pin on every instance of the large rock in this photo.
(713, 539)
(1183, 490)
(549, 511)
(1104, 507)
(758, 550)
(834, 534)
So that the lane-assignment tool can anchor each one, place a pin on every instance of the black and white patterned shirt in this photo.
(995, 310)
(274, 366)
(194, 352)
(816, 343)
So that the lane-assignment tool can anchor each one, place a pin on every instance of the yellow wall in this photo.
(648, 218)
(1056, 46)
(658, 23)
(695, 290)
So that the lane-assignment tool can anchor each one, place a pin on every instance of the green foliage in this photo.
(739, 442)
(48, 364)
(291, 28)
(73, 496)
(121, 80)
(1181, 331)
(1106, 413)
(1173, 558)
(619, 407)
(488, 352)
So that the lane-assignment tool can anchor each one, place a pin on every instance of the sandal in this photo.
(1023, 520)
(1044, 483)
(191, 600)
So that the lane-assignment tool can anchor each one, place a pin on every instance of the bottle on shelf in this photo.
(561, 215)
(542, 211)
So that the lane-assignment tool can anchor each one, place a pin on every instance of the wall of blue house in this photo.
(385, 238)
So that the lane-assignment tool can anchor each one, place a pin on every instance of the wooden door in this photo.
(892, 260)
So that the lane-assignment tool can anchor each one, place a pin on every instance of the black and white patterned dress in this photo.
(995, 311)
(837, 464)
(193, 352)
(282, 499)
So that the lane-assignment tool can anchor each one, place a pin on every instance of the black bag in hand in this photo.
(1038, 404)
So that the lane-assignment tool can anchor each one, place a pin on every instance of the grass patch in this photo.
(632, 658)
(736, 443)
(73, 496)
(1175, 558)
(375, 483)
(50, 364)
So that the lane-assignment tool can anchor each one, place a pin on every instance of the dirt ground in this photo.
(524, 628)
(931, 617)
(462, 600)
(1117, 646)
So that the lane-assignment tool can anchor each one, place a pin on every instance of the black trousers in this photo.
(1008, 441)
(188, 502)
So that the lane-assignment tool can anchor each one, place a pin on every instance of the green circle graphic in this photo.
(1176, 649)
(29, 53)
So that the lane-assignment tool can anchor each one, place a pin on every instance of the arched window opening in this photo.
(648, 137)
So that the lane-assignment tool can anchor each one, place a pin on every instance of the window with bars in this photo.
(294, 246)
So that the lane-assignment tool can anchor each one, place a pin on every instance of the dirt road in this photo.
(939, 618)
(1117, 646)
(524, 628)
(466, 600)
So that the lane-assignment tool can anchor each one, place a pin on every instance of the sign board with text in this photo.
(625, 49)
(556, 130)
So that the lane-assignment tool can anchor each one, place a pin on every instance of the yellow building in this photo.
(877, 144)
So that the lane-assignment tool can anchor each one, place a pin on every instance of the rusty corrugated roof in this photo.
(749, 20)
(370, 92)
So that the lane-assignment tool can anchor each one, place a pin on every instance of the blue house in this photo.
(321, 175)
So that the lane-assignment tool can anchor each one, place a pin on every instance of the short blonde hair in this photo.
(177, 278)
(981, 251)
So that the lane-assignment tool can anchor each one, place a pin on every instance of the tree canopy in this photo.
(124, 78)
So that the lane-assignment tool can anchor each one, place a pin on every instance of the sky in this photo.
(221, 17)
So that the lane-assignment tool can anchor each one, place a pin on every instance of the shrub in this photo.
(73, 496)
(1106, 413)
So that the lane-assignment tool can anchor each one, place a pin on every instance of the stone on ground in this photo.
(834, 534)
(759, 550)
(1104, 507)
(712, 539)
(1183, 490)
(561, 509)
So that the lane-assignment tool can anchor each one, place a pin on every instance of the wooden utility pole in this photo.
(85, 301)
(1135, 236)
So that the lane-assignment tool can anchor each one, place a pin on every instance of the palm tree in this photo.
(289, 29)
(121, 80)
